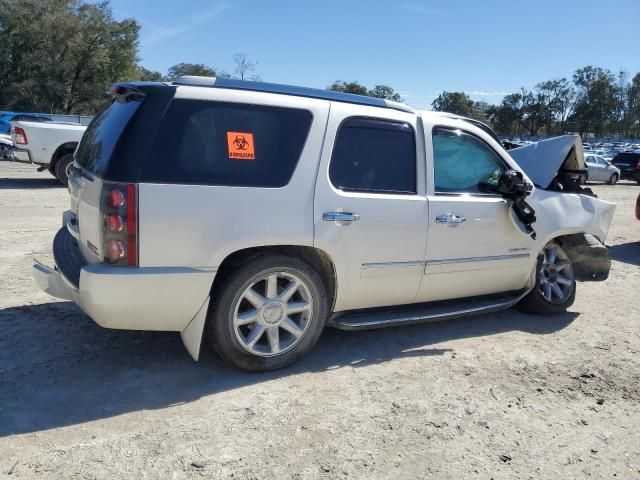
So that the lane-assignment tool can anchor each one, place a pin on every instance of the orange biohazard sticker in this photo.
(240, 146)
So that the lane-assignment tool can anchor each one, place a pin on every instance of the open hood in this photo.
(545, 160)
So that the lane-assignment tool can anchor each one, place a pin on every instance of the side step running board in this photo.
(424, 312)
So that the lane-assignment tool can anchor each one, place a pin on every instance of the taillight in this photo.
(115, 198)
(638, 165)
(120, 224)
(20, 136)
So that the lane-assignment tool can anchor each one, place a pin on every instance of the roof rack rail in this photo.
(296, 91)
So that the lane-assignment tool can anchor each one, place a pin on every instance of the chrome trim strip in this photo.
(446, 261)
(415, 263)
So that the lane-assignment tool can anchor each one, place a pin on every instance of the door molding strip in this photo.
(492, 258)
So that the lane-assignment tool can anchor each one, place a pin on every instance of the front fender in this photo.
(561, 214)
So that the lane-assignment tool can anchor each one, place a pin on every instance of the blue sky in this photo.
(420, 47)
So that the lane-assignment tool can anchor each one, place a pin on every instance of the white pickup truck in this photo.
(47, 144)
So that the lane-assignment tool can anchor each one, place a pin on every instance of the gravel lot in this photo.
(498, 396)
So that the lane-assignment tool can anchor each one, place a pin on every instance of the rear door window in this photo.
(232, 144)
(372, 155)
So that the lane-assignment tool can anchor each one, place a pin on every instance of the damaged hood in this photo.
(542, 161)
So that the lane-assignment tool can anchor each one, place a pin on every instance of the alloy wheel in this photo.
(556, 278)
(273, 313)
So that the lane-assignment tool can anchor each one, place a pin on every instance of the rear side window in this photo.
(102, 135)
(374, 156)
(216, 143)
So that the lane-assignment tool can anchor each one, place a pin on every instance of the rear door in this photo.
(370, 210)
(474, 246)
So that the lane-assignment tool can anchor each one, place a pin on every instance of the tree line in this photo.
(595, 101)
(59, 56)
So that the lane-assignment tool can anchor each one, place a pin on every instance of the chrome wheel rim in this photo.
(555, 281)
(273, 313)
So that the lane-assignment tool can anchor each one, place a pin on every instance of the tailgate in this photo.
(85, 191)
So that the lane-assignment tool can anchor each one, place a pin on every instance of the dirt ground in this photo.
(499, 396)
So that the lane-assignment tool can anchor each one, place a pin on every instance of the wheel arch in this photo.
(317, 258)
(589, 257)
(61, 151)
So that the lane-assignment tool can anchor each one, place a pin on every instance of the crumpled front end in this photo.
(581, 223)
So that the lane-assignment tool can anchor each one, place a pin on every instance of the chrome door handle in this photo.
(340, 217)
(451, 219)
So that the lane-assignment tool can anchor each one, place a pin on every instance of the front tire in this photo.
(267, 313)
(61, 168)
(614, 179)
(555, 289)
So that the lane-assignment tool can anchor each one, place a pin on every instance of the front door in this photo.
(474, 245)
(370, 206)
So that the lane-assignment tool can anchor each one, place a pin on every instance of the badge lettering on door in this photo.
(240, 146)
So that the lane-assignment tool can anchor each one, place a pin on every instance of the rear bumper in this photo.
(154, 298)
(631, 174)
(22, 156)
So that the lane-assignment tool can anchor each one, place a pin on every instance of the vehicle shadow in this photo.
(626, 253)
(34, 183)
(58, 368)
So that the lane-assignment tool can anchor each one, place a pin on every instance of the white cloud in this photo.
(156, 33)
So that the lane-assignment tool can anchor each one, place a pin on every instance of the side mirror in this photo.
(512, 183)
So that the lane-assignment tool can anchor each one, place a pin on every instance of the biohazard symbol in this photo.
(240, 142)
(240, 146)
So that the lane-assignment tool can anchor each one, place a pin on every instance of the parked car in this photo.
(6, 147)
(7, 117)
(629, 165)
(50, 145)
(601, 170)
(266, 212)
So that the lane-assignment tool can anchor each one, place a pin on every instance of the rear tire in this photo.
(267, 313)
(61, 168)
(614, 179)
(555, 288)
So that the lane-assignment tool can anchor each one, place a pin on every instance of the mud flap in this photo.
(192, 335)
(590, 258)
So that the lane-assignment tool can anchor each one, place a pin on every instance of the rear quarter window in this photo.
(232, 144)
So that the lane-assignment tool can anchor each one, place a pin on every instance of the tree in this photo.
(349, 87)
(386, 92)
(61, 55)
(146, 75)
(197, 69)
(244, 67)
(632, 113)
(596, 101)
(458, 103)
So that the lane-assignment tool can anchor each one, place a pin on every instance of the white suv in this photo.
(254, 214)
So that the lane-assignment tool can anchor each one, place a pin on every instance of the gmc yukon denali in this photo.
(251, 215)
